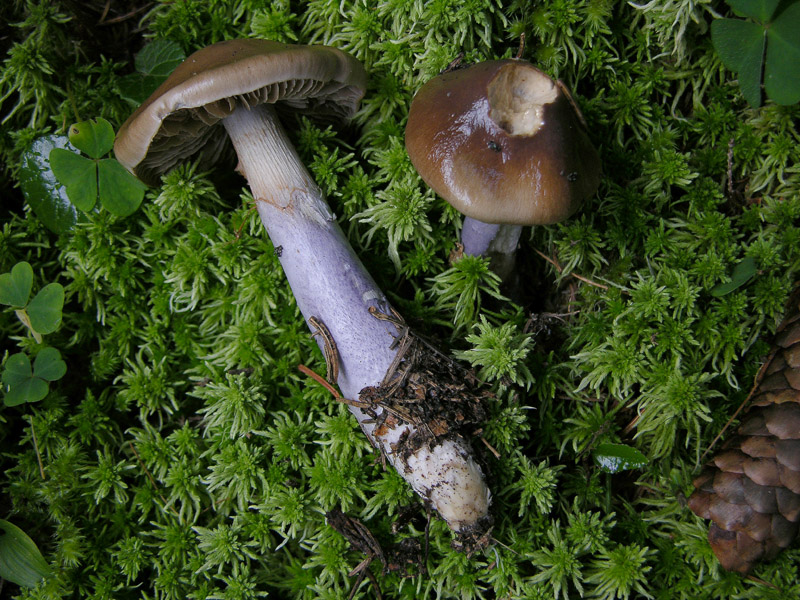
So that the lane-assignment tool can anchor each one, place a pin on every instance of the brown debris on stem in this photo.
(427, 389)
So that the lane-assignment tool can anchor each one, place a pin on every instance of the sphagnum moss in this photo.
(194, 485)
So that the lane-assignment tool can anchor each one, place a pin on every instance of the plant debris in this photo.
(405, 556)
(426, 389)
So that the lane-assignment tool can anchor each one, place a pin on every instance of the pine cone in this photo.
(751, 489)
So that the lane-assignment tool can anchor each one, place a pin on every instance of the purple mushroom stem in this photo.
(495, 241)
(332, 287)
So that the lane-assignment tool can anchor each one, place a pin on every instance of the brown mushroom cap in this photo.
(180, 120)
(503, 143)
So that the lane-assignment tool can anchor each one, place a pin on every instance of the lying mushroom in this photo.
(505, 145)
(230, 91)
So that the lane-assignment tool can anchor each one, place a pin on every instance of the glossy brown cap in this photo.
(181, 119)
(503, 143)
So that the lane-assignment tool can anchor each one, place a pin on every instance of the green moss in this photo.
(185, 456)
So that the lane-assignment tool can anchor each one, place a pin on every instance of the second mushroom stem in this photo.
(496, 242)
(332, 287)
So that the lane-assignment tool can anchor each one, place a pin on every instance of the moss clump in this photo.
(185, 456)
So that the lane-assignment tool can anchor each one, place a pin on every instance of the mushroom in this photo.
(506, 146)
(230, 92)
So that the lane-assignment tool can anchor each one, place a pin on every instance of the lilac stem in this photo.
(496, 242)
(330, 283)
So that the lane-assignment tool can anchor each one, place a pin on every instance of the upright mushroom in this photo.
(506, 146)
(228, 92)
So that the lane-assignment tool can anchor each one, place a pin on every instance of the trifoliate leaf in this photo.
(21, 562)
(79, 176)
(15, 286)
(120, 192)
(93, 138)
(43, 192)
(45, 308)
(613, 458)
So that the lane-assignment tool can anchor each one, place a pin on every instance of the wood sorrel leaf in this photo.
(42, 190)
(740, 45)
(48, 365)
(93, 138)
(120, 192)
(613, 458)
(20, 559)
(17, 369)
(782, 69)
(79, 176)
(45, 308)
(761, 10)
(15, 286)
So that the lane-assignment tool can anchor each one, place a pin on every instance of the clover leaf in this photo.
(21, 562)
(89, 179)
(763, 50)
(25, 384)
(42, 315)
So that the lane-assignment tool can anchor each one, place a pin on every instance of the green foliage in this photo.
(43, 192)
(21, 562)
(89, 179)
(742, 273)
(402, 213)
(621, 571)
(41, 315)
(499, 352)
(537, 484)
(613, 458)
(184, 456)
(24, 384)
(153, 64)
(762, 49)
(460, 289)
(559, 566)
(15, 286)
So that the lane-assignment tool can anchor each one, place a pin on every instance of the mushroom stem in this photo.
(331, 285)
(497, 242)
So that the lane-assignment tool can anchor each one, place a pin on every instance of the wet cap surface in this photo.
(503, 143)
